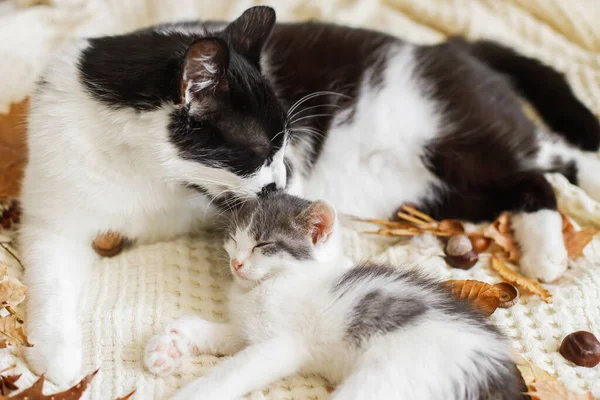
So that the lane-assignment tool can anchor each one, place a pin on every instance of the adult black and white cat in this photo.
(139, 133)
(298, 304)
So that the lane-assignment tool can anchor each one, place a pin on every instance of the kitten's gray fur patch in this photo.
(379, 312)
(273, 220)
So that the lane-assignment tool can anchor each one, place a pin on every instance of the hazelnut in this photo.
(509, 295)
(459, 252)
(582, 348)
(109, 244)
(480, 242)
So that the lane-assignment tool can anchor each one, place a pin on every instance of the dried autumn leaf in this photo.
(127, 397)
(12, 291)
(8, 383)
(519, 280)
(35, 391)
(543, 386)
(567, 226)
(499, 231)
(575, 242)
(482, 295)
(13, 330)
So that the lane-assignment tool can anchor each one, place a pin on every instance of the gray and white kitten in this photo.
(297, 305)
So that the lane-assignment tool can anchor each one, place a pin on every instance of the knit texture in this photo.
(133, 295)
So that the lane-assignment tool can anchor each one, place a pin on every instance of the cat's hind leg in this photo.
(164, 353)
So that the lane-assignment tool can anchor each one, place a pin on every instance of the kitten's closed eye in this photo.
(259, 245)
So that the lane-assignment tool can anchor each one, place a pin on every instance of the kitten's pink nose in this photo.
(236, 264)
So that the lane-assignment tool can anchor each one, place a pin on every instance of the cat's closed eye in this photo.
(264, 244)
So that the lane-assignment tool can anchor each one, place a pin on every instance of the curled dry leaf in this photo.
(482, 295)
(12, 291)
(543, 386)
(500, 232)
(519, 280)
(35, 391)
(13, 330)
(8, 383)
(509, 295)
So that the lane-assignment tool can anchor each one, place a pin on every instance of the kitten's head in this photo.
(280, 233)
(229, 126)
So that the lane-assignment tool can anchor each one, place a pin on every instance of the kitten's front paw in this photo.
(547, 264)
(163, 354)
(58, 358)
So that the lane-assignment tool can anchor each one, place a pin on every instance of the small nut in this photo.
(459, 252)
(509, 295)
(480, 243)
(458, 245)
(466, 261)
(582, 348)
(109, 244)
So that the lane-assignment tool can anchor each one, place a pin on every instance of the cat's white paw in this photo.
(164, 354)
(547, 264)
(59, 359)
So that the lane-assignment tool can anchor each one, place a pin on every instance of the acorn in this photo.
(459, 252)
(581, 348)
(509, 295)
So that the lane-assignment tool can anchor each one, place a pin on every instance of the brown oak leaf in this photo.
(513, 277)
(575, 242)
(13, 330)
(482, 295)
(34, 392)
(12, 291)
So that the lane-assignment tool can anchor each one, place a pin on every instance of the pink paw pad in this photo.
(162, 356)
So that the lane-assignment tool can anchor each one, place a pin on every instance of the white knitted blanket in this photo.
(132, 295)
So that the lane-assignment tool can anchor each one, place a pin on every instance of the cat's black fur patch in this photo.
(345, 56)
(379, 312)
(238, 131)
(545, 88)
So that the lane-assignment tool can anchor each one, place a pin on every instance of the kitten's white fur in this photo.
(293, 321)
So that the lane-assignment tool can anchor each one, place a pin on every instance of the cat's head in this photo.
(229, 128)
(280, 233)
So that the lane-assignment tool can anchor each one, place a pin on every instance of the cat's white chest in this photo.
(372, 164)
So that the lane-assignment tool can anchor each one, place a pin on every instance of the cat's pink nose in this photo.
(236, 264)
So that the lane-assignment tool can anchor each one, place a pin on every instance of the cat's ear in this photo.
(318, 221)
(250, 31)
(205, 68)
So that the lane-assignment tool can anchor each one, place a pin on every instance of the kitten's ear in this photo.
(318, 221)
(251, 30)
(205, 68)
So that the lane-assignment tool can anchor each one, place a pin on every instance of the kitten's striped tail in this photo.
(545, 88)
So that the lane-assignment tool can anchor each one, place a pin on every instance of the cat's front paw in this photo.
(546, 264)
(164, 354)
(57, 356)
